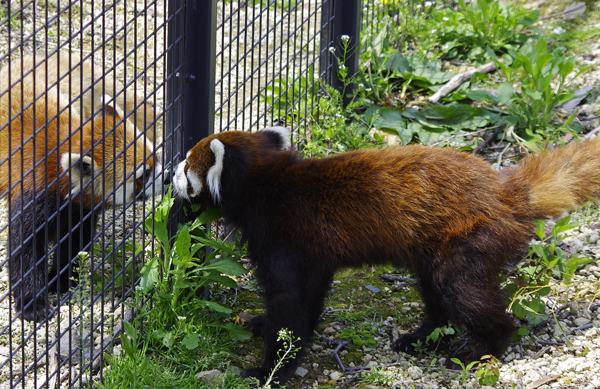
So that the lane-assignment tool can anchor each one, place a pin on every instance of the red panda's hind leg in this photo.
(436, 317)
(470, 290)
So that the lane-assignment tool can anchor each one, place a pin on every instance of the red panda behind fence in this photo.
(58, 170)
(446, 215)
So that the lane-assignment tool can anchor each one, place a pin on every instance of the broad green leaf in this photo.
(236, 332)
(505, 93)
(480, 95)
(227, 266)
(150, 275)
(190, 341)
(215, 306)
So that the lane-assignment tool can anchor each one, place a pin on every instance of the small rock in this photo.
(208, 376)
(574, 309)
(580, 321)
(415, 372)
(373, 289)
(300, 371)
(336, 375)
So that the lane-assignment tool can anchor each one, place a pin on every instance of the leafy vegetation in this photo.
(177, 331)
(465, 33)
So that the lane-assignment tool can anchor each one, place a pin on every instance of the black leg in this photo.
(294, 301)
(75, 233)
(27, 259)
(436, 316)
(474, 300)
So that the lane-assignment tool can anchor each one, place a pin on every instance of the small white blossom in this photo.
(427, 3)
(445, 18)
(433, 31)
(361, 85)
(445, 47)
(342, 67)
(418, 6)
(368, 89)
(338, 115)
(345, 38)
(332, 49)
(365, 9)
(181, 317)
(559, 30)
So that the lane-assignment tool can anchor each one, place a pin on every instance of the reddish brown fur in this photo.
(448, 216)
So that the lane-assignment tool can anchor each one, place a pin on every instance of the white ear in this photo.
(283, 133)
(81, 170)
(213, 178)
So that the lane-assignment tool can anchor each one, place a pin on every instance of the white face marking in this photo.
(155, 184)
(180, 181)
(195, 182)
(283, 133)
(213, 178)
(76, 179)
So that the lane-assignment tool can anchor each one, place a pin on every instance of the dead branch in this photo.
(458, 79)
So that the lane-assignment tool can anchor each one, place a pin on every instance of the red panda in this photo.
(58, 175)
(446, 215)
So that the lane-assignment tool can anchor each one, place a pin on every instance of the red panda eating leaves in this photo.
(446, 215)
(58, 172)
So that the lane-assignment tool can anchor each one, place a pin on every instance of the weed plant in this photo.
(177, 332)
(465, 33)
(537, 84)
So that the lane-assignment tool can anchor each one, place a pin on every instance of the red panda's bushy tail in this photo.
(560, 181)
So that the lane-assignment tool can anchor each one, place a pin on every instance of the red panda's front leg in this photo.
(75, 232)
(28, 262)
(294, 296)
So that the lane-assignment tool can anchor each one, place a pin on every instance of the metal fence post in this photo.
(339, 18)
(199, 68)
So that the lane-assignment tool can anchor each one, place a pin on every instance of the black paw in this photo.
(405, 343)
(256, 372)
(39, 314)
(257, 325)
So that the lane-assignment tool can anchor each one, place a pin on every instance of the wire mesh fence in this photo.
(96, 105)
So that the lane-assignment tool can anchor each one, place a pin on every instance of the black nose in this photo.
(167, 177)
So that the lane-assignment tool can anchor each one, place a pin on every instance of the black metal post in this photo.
(199, 68)
(341, 18)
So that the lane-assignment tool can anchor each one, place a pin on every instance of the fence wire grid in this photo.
(98, 101)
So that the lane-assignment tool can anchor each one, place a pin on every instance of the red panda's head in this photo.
(119, 157)
(201, 172)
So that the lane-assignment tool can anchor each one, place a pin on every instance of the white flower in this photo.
(342, 67)
(445, 47)
(445, 18)
(368, 89)
(559, 30)
(337, 115)
(332, 49)
(418, 6)
(433, 31)
(181, 317)
(427, 3)
(361, 85)
(365, 9)
(345, 38)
